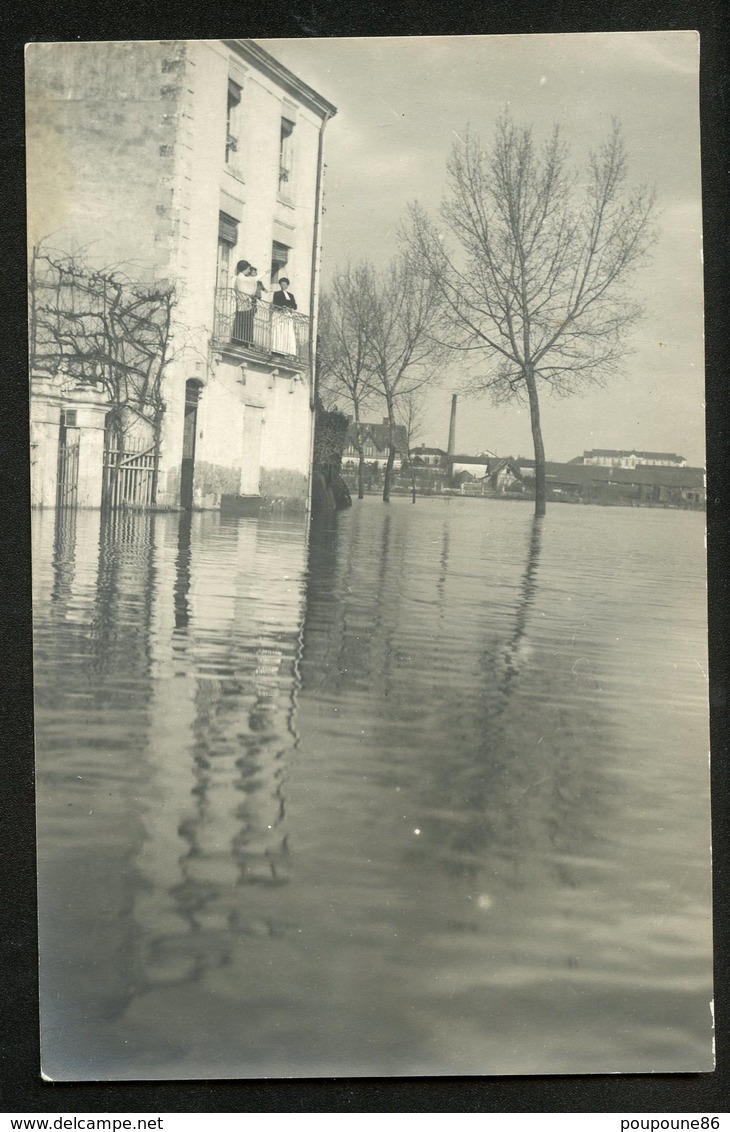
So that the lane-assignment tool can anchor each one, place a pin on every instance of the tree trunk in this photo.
(540, 485)
(391, 455)
(361, 457)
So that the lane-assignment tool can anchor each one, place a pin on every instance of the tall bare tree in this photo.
(343, 349)
(537, 274)
(406, 352)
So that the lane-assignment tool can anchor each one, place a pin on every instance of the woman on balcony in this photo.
(248, 291)
(283, 331)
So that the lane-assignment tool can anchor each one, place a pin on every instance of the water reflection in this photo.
(92, 721)
(239, 687)
(436, 683)
(369, 799)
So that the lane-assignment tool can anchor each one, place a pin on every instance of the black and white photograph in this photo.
(368, 504)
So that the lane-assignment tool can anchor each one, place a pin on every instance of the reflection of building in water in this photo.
(225, 657)
(167, 653)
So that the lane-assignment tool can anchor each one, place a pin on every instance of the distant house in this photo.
(476, 466)
(376, 442)
(486, 475)
(424, 457)
(613, 458)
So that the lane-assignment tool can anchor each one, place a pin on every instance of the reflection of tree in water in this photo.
(463, 744)
(473, 778)
(497, 797)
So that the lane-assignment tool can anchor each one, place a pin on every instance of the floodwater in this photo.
(423, 790)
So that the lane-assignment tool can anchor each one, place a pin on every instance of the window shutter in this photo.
(279, 254)
(227, 229)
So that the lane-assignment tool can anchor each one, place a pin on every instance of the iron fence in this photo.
(260, 326)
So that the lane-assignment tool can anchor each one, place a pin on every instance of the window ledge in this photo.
(235, 174)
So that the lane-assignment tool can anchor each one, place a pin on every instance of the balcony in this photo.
(260, 328)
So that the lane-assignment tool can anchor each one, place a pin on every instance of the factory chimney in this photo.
(452, 429)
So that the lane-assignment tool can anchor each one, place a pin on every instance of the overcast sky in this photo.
(401, 101)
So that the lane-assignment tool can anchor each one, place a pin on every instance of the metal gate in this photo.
(68, 461)
(129, 477)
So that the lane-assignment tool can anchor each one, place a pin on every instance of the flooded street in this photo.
(421, 791)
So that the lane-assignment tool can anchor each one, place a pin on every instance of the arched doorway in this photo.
(187, 466)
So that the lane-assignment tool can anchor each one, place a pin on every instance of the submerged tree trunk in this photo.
(540, 484)
(391, 454)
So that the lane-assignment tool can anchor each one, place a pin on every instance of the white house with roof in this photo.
(631, 458)
(425, 457)
(375, 437)
(486, 474)
(475, 466)
(171, 162)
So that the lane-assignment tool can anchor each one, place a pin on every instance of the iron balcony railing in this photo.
(260, 326)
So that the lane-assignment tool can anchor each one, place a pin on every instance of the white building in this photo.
(170, 162)
(613, 458)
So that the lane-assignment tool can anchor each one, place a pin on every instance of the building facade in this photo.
(376, 444)
(171, 162)
(612, 458)
(423, 457)
(645, 485)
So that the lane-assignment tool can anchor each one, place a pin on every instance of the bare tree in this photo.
(343, 349)
(540, 275)
(411, 416)
(97, 328)
(405, 352)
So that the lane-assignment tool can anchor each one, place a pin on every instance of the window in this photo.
(286, 152)
(279, 260)
(233, 122)
(223, 270)
(227, 240)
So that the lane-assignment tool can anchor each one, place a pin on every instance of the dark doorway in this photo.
(187, 467)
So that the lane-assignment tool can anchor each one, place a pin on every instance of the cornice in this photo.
(250, 50)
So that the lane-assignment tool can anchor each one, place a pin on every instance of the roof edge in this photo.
(251, 50)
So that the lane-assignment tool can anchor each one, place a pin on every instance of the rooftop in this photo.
(632, 452)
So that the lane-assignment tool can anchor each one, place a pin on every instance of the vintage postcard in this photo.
(370, 633)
